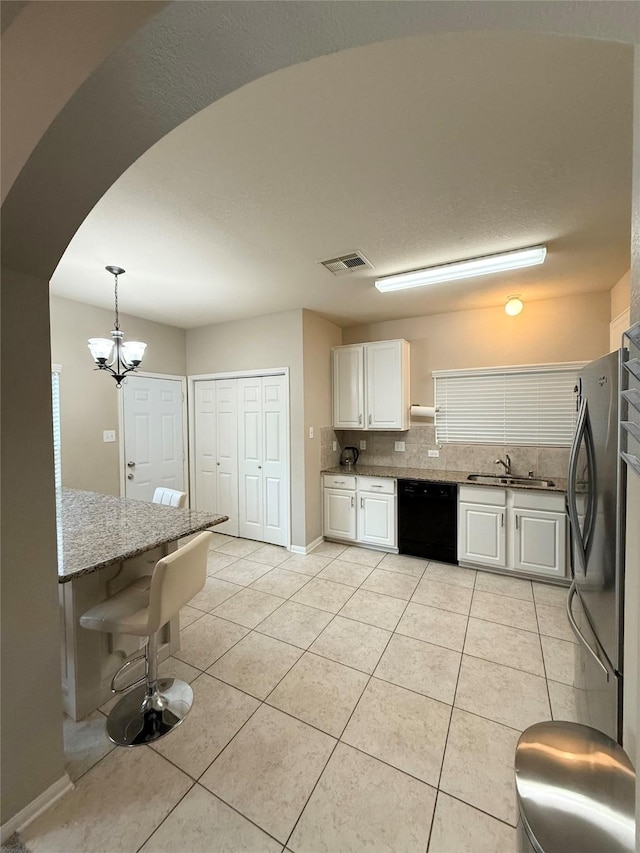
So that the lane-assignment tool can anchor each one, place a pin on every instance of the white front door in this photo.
(153, 435)
(250, 458)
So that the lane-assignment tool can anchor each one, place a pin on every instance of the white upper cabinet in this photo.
(348, 387)
(371, 386)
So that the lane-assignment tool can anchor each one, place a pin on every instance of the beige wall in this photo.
(319, 336)
(572, 328)
(31, 759)
(51, 48)
(621, 295)
(89, 400)
(262, 342)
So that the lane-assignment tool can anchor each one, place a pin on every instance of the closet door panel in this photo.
(250, 472)
(275, 464)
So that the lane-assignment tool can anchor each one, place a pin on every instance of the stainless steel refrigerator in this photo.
(595, 505)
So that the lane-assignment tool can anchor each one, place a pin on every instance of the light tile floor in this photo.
(344, 701)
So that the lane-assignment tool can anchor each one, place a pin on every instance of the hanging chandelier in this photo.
(116, 356)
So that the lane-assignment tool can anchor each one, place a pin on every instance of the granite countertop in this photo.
(434, 476)
(97, 530)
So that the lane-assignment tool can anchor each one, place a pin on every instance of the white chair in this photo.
(152, 707)
(169, 497)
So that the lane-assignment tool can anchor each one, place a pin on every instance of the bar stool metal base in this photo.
(137, 720)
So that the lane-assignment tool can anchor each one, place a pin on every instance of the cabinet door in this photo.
(387, 402)
(539, 542)
(339, 514)
(482, 534)
(377, 519)
(348, 387)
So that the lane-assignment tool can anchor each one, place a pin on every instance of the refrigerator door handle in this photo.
(572, 506)
(580, 636)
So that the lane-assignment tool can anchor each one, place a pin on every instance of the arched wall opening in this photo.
(165, 70)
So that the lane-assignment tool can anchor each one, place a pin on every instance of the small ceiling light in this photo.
(464, 269)
(514, 306)
(125, 356)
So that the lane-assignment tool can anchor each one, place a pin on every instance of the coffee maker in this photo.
(349, 456)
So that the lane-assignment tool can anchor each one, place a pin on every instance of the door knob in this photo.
(131, 464)
(129, 476)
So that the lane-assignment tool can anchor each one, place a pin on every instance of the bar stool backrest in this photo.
(169, 497)
(176, 579)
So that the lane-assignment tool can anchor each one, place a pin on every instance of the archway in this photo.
(181, 60)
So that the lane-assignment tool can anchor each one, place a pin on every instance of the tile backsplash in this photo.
(543, 461)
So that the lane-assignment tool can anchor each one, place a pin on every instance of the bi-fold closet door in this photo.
(241, 455)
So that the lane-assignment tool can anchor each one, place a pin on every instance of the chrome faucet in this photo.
(507, 464)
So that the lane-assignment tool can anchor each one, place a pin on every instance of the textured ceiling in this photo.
(415, 151)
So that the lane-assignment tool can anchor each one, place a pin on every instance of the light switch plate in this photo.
(108, 435)
(433, 454)
(310, 432)
(335, 445)
(399, 445)
(363, 445)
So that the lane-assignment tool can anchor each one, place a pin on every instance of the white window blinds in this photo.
(516, 405)
(57, 447)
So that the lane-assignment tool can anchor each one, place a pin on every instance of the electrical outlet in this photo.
(433, 454)
(310, 432)
(399, 445)
(335, 445)
(108, 435)
(363, 445)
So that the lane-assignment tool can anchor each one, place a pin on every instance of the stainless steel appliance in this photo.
(349, 456)
(595, 505)
(428, 520)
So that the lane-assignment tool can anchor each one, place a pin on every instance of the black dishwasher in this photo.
(428, 520)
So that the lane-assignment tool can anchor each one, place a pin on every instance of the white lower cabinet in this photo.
(482, 535)
(521, 531)
(539, 542)
(340, 514)
(360, 509)
(377, 519)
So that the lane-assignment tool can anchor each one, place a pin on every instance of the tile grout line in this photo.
(339, 739)
(453, 705)
(544, 663)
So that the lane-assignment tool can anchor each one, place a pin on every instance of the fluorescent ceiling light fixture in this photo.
(464, 269)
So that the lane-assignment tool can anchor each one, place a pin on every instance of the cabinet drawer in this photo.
(381, 485)
(483, 495)
(338, 481)
(549, 501)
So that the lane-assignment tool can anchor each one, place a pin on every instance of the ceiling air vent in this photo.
(346, 263)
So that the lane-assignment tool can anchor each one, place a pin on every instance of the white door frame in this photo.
(185, 442)
(240, 374)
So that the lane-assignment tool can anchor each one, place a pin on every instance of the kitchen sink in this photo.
(507, 480)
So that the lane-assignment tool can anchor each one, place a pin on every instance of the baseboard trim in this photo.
(307, 549)
(36, 807)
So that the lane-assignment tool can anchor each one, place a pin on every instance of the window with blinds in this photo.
(57, 447)
(516, 405)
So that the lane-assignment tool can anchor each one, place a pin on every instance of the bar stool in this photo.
(152, 707)
(169, 497)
